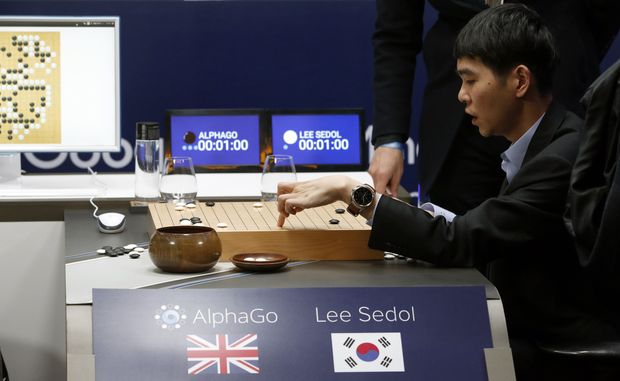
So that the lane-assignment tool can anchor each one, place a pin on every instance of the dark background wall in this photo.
(232, 54)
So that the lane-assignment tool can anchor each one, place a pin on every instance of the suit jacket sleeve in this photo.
(521, 222)
(397, 40)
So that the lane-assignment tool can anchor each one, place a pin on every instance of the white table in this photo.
(78, 187)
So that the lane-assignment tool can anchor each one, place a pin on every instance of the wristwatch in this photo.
(362, 197)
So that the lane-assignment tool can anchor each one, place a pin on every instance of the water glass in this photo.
(178, 180)
(277, 168)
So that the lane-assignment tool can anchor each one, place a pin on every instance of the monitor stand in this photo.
(10, 167)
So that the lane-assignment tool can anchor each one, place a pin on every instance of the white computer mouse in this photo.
(111, 222)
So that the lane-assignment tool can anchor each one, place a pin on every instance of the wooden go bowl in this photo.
(185, 249)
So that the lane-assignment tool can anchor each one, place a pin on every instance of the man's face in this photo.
(487, 97)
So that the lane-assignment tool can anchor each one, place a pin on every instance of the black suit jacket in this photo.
(520, 234)
(583, 29)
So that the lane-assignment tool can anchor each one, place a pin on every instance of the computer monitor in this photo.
(217, 140)
(59, 85)
(325, 139)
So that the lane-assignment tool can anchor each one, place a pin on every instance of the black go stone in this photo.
(134, 256)
(340, 211)
(334, 221)
(209, 203)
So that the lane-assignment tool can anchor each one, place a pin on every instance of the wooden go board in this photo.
(250, 229)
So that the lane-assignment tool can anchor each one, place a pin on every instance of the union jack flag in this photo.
(222, 355)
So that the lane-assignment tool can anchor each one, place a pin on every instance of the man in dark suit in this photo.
(457, 168)
(505, 59)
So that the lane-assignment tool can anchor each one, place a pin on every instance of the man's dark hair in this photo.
(508, 35)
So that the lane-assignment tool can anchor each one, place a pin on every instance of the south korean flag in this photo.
(367, 352)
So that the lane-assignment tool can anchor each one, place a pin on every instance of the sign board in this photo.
(405, 333)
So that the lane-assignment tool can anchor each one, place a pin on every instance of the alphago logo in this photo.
(170, 316)
(122, 162)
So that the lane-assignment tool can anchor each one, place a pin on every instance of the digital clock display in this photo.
(317, 138)
(212, 140)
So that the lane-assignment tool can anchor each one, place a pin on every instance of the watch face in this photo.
(363, 196)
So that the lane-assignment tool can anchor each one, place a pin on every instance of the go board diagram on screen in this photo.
(30, 88)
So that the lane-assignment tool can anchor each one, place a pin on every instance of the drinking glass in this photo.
(277, 168)
(178, 180)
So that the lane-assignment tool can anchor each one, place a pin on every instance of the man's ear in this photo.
(523, 80)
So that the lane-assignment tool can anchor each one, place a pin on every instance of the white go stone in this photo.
(258, 205)
(261, 259)
(389, 256)
(191, 205)
(130, 246)
(186, 222)
(139, 249)
(222, 225)
(100, 251)
(179, 208)
(249, 259)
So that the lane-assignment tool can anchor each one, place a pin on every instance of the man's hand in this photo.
(295, 197)
(386, 169)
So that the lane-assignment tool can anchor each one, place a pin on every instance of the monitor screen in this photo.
(326, 139)
(215, 138)
(59, 87)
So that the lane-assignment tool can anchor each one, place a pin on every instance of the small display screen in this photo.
(321, 139)
(214, 140)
